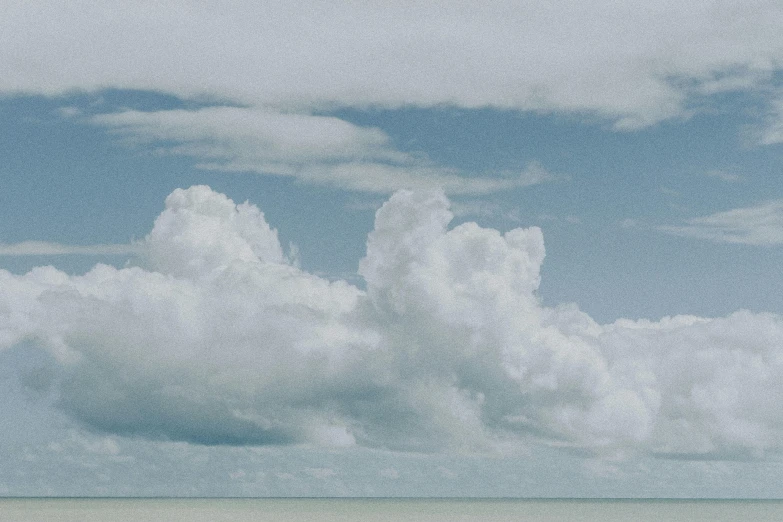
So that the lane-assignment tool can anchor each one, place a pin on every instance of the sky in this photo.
(391, 249)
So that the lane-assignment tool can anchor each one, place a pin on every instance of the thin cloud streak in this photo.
(321, 150)
(772, 132)
(727, 176)
(46, 248)
(760, 225)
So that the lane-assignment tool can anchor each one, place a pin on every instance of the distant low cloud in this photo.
(46, 248)
(772, 132)
(314, 149)
(760, 225)
(216, 338)
(723, 175)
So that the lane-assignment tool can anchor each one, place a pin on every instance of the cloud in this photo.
(728, 177)
(215, 338)
(771, 132)
(760, 225)
(45, 248)
(313, 149)
(634, 64)
(321, 473)
(629, 223)
(262, 137)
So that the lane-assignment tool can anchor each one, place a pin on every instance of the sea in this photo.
(382, 509)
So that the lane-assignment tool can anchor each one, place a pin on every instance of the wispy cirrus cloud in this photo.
(760, 225)
(313, 149)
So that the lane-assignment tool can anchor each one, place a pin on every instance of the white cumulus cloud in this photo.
(214, 337)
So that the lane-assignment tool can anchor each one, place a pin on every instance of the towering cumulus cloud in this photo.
(215, 337)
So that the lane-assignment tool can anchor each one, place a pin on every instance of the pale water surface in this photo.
(294, 510)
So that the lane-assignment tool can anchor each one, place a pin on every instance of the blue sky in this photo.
(639, 147)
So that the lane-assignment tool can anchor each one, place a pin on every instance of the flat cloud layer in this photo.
(634, 63)
(272, 70)
(215, 337)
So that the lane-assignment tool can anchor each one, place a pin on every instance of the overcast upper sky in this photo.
(398, 248)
